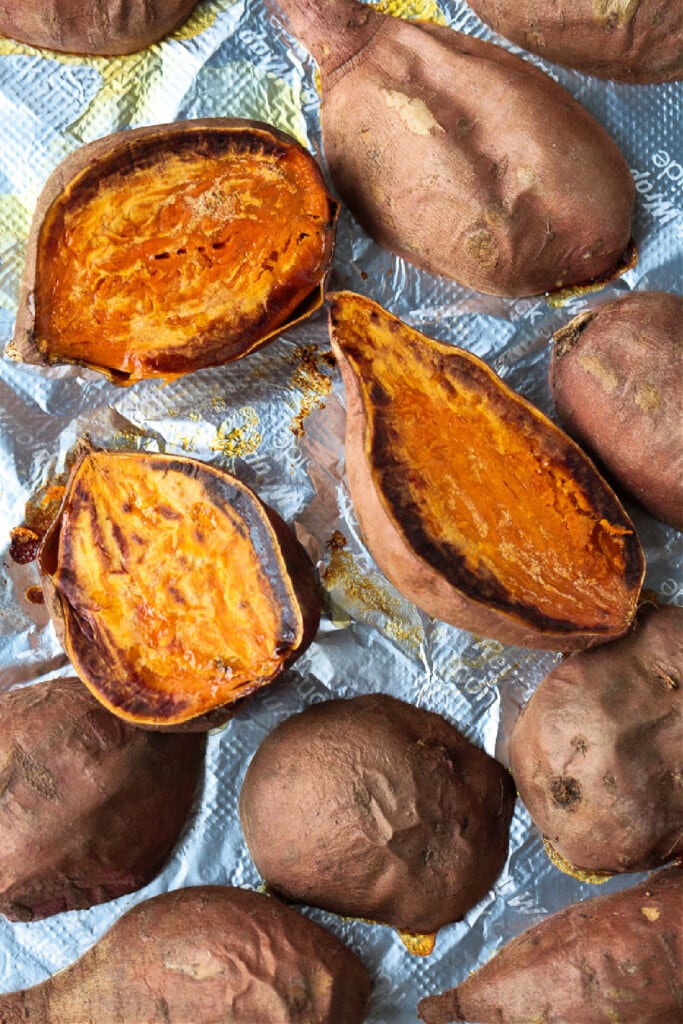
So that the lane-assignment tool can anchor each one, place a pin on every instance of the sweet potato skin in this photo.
(597, 753)
(90, 807)
(628, 42)
(371, 807)
(615, 375)
(209, 954)
(612, 958)
(105, 27)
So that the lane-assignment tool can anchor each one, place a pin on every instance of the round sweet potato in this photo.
(616, 376)
(624, 40)
(105, 27)
(597, 753)
(174, 589)
(204, 955)
(90, 807)
(158, 251)
(371, 807)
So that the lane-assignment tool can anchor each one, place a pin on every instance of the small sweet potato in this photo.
(478, 508)
(616, 375)
(624, 40)
(371, 807)
(164, 249)
(616, 959)
(175, 590)
(90, 807)
(204, 955)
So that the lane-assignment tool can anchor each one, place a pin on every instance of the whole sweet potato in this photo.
(617, 380)
(615, 959)
(90, 807)
(460, 156)
(625, 40)
(371, 807)
(204, 955)
(105, 27)
(478, 508)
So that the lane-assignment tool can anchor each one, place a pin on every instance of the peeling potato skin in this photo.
(615, 375)
(637, 41)
(597, 753)
(208, 954)
(96, 27)
(612, 958)
(90, 807)
(371, 807)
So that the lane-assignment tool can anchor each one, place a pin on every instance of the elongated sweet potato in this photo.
(625, 40)
(462, 158)
(478, 508)
(616, 375)
(204, 955)
(174, 589)
(165, 249)
(374, 808)
(617, 958)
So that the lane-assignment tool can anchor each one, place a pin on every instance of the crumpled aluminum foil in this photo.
(276, 419)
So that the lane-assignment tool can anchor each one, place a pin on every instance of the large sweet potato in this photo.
(460, 156)
(204, 955)
(478, 508)
(90, 807)
(616, 959)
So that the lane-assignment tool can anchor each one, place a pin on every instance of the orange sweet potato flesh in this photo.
(174, 589)
(165, 249)
(616, 958)
(478, 508)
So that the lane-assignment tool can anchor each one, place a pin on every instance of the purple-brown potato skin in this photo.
(597, 753)
(616, 375)
(615, 959)
(639, 41)
(104, 27)
(90, 807)
(204, 955)
(371, 807)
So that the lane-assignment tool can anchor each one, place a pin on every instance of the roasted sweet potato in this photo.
(371, 807)
(616, 375)
(204, 955)
(597, 753)
(165, 249)
(615, 959)
(173, 588)
(105, 27)
(90, 807)
(460, 156)
(625, 40)
(478, 508)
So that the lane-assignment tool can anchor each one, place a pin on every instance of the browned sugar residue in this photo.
(311, 381)
(235, 441)
(593, 877)
(559, 298)
(39, 513)
(34, 595)
(417, 944)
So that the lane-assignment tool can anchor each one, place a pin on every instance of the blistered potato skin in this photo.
(636, 41)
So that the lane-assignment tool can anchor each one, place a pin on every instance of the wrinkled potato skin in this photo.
(105, 27)
(208, 954)
(90, 807)
(616, 380)
(597, 753)
(374, 808)
(636, 41)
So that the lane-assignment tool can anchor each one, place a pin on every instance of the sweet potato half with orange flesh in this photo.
(90, 806)
(478, 508)
(616, 959)
(105, 27)
(174, 589)
(204, 955)
(165, 249)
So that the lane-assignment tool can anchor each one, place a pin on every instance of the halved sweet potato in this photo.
(478, 508)
(165, 249)
(174, 589)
